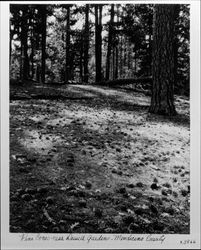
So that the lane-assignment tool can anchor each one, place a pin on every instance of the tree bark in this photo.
(86, 45)
(67, 74)
(116, 63)
(121, 57)
(44, 24)
(98, 41)
(109, 48)
(175, 43)
(162, 100)
(117, 48)
(113, 63)
(81, 60)
(10, 45)
(24, 47)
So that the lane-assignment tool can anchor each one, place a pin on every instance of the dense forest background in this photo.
(91, 43)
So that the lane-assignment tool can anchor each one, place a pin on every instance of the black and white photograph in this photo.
(99, 128)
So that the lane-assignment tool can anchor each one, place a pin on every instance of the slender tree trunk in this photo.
(81, 60)
(121, 57)
(32, 59)
(10, 46)
(116, 62)
(150, 49)
(32, 53)
(67, 74)
(129, 56)
(44, 24)
(98, 41)
(113, 63)
(86, 45)
(135, 65)
(162, 100)
(24, 47)
(109, 48)
(125, 57)
(117, 47)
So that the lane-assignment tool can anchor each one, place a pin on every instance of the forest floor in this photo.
(91, 159)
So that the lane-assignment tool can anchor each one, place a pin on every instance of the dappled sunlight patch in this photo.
(121, 96)
(139, 100)
(38, 142)
(88, 118)
(61, 121)
(38, 118)
(74, 89)
(101, 90)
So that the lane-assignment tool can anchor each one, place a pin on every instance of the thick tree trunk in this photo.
(86, 45)
(44, 24)
(109, 48)
(98, 41)
(67, 74)
(162, 100)
(175, 44)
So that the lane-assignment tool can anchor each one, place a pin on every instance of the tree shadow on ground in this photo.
(99, 96)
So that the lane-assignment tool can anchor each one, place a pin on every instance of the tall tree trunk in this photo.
(116, 62)
(32, 52)
(10, 46)
(32, 43)
(150, 49)
(44, 24)
(162, 100)
(113, 63)
(125, 61)
(67, 74)
(32, 58)
(175, 43)
(121, 57)
(86, 45)
(98, 41)
(135, 65)
(81, 59)
(117, 47)
(24, 47)
(129, 56)
(109, 47)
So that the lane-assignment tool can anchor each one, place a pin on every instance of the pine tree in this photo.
(67, 75)
(86, 44)
(98, 41)
(43, 25)
(109, 46)
(162, 100)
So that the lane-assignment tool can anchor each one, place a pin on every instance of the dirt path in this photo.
(98, 163)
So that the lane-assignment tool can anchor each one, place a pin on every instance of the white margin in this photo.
(12, 240)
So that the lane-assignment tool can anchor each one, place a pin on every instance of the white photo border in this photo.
(13, 240)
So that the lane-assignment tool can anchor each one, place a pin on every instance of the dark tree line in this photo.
(96, 42)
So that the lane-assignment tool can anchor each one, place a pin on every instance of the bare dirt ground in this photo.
(91, 159)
